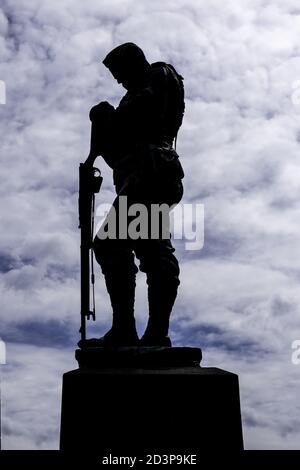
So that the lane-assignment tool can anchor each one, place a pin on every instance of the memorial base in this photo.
(149, 405)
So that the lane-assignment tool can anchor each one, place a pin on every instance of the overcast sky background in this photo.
(239, 297)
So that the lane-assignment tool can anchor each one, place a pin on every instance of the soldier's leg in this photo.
(158, 261)
(116, 260)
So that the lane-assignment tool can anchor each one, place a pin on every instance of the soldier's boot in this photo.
(122, 293)
(161, 297)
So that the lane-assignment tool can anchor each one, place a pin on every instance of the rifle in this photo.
(90, 181)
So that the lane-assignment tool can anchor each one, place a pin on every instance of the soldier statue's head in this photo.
(128, 64)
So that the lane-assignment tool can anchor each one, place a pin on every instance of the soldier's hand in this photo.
(101, 110)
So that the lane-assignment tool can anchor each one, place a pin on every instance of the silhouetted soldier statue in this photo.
(136, 140)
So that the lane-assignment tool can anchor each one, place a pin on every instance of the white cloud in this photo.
(239, 147)
(31, 395)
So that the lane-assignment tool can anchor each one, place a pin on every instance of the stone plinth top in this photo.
(138, 357)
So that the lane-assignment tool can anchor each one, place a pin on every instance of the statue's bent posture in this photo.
(136, 140)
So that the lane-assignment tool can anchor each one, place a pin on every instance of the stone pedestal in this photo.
(148, 400)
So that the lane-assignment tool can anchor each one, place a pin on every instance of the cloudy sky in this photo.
(239, 297)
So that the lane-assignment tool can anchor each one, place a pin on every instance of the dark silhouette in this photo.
(136, 140)
(151, 394)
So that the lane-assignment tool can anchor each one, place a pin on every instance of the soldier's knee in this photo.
(162, 266)
(169, 269)
(101, 250)
(100, 246)
(114, 255)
